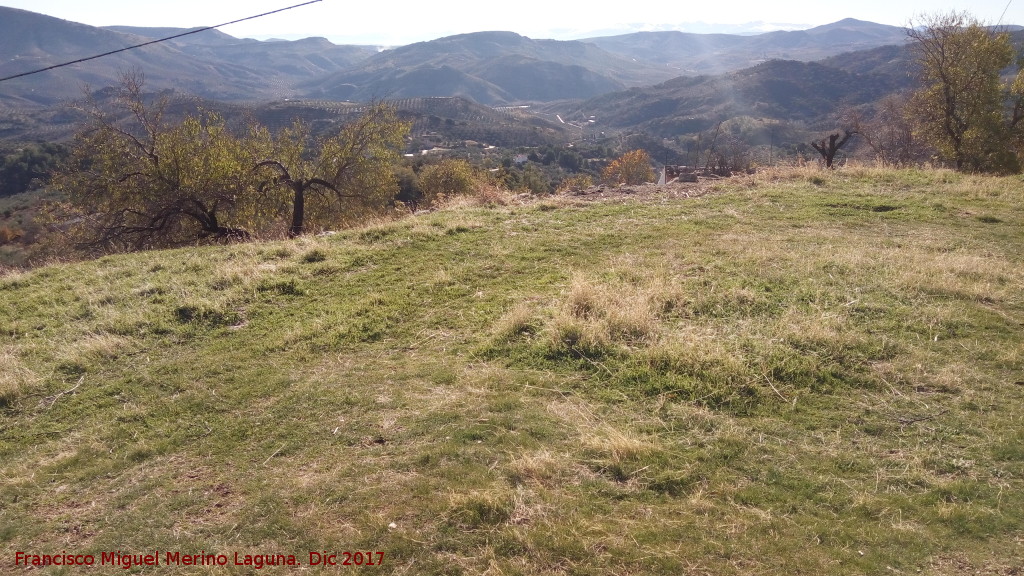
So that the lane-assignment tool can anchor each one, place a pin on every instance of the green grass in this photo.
(803, 372)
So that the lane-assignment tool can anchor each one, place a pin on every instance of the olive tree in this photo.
(135, 180)
(342, 177)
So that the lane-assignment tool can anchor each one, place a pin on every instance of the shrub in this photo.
(9, 235)
(630, 168)
(576, 183)
(450, 177)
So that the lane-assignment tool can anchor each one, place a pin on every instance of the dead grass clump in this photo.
(617, 446)
(569, 335)
(622, 455)
(15, 378)
(100, 346)
(542, 468)
(584, 299)
(491, 195)
(818, 332)
(239, 273)
(483, 194)
(775, 174)
(600, 316)
(632, 320)
(481, 508)
(520, 320)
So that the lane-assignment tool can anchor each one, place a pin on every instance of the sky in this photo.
(398, 22)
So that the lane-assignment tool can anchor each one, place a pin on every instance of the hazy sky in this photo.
(405, 21)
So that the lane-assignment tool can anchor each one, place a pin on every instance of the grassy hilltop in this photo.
(797, 373)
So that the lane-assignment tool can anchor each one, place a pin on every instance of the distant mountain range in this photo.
(659, 83)
(492, 68)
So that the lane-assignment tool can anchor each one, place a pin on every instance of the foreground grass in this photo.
(801, 373)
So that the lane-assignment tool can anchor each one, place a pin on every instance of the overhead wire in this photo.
(1003, 15)
(125, 49)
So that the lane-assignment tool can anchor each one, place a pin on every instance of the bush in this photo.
(9, 235)
(450, 177)
(630, 168)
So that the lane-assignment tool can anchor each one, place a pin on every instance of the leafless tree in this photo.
(835, 142)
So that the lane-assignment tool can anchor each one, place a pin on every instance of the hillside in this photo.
(788, 373)
(298, 60)
(216, 68)
(778, 90)
(446, 121)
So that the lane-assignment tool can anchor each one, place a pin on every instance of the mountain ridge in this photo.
(695, 53)
(424, 69)
(498, 67)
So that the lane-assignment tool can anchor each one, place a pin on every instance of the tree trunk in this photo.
(298, 210)
(829, 151)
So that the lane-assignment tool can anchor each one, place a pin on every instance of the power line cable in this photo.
(196, 31)
(1003, 15)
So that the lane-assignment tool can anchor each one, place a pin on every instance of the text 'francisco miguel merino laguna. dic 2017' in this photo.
(158, 558)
